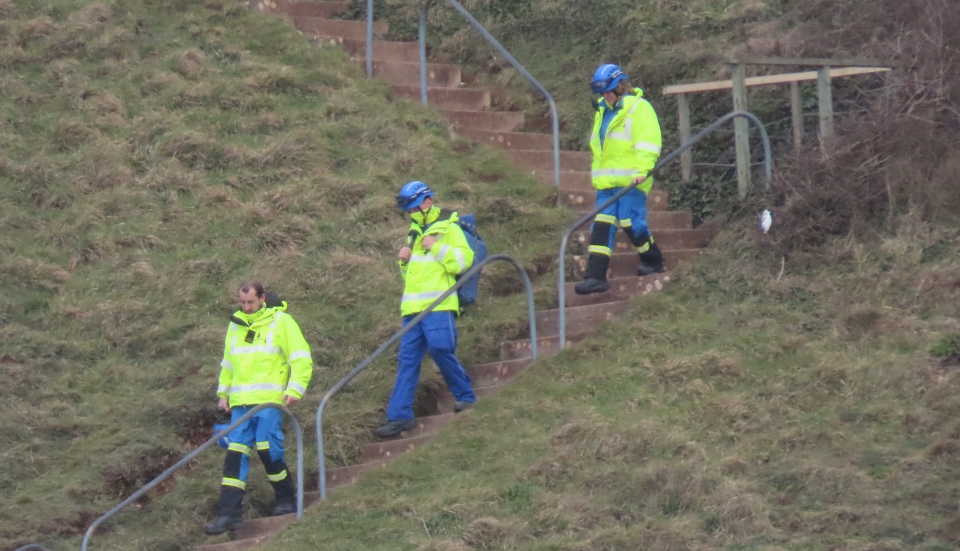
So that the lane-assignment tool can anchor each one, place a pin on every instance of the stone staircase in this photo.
(469, 112)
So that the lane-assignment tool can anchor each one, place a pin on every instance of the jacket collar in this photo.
(262, 315)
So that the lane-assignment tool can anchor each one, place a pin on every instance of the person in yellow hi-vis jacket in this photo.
(626, 144)
(436, 252)
(265, 360)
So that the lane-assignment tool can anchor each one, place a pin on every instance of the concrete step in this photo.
(546, 346)
(444, 75)
(586, 198)
(263, 526)
(388, 449)
(324, 10)
(509, 140)
(428, 425)
(625, 264)
(583, 199)
(458, 99)
(580, 319)
(499, 121)
(621, 289)
(666, 239)
(342, 476)
(541, 161)
(383, 50)
(337, 29)
(236, 545)
(445, 400)
(497, 372)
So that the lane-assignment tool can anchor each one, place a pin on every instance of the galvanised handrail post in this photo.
(32, 547)
(407, 327)
(183, 462)
(513, 61)
(768, 169)
(422, 35)
(369, 38)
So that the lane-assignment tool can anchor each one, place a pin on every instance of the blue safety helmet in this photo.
(606, 78)
(412, 195)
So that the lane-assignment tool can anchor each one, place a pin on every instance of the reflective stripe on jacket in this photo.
(430, 273)
(631, 146)
(275, 364)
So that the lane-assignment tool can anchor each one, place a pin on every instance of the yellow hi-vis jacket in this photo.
(430, 273)
(265, 358)
(631, 146)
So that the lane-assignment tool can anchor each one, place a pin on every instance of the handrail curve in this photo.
(496, 44)
(183, 462)
(768, 170)
(32, 547)
(407, 327)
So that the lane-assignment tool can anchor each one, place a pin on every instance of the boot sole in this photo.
(231, 528)
(603, 289)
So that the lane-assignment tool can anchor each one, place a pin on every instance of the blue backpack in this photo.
(468, 293)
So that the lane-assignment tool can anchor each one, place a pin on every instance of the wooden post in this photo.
(686, 158)
(795, 109)
(741, 129)
(825, 95)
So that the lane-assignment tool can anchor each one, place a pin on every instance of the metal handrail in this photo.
(180, 464)
(407, 327)
(516, 65)
(768, 169)
(32, 547)
(496, 44)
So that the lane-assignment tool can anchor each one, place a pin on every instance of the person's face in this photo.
(611, 98)
(424, 206)
(250, 303)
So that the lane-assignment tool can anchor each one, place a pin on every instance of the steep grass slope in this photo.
(745, 408)
(152, 155)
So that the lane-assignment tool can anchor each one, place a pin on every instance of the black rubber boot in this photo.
(393, 428)
(286, 497)
(231, 512)
(595, 277)
(651, 262)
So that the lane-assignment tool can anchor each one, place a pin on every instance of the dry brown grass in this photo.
(492, 533)
(103, 167)
(71, 134)
(192, 64)
(172, 176)
(36, 29)
(7, 9)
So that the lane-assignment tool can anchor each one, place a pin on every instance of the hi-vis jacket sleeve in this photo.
(297, 352)
(412, 235)
(647, 139)
(226, 368)
(452, 250)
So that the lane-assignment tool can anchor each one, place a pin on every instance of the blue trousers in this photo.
(437, 333)
(629, 212)
(261, 434)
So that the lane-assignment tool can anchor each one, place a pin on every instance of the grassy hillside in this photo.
(152, 155)
(663, 42)
(745, 408)
(795, 391)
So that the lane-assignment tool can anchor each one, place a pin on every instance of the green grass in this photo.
(740, 409)
(155, 154)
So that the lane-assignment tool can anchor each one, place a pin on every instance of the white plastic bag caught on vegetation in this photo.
(766, 220)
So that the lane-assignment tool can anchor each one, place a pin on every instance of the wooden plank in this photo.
(686, 158)
(797, 116)
(741, 129)
(812, 62)
(768, 80)
(825, 96)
